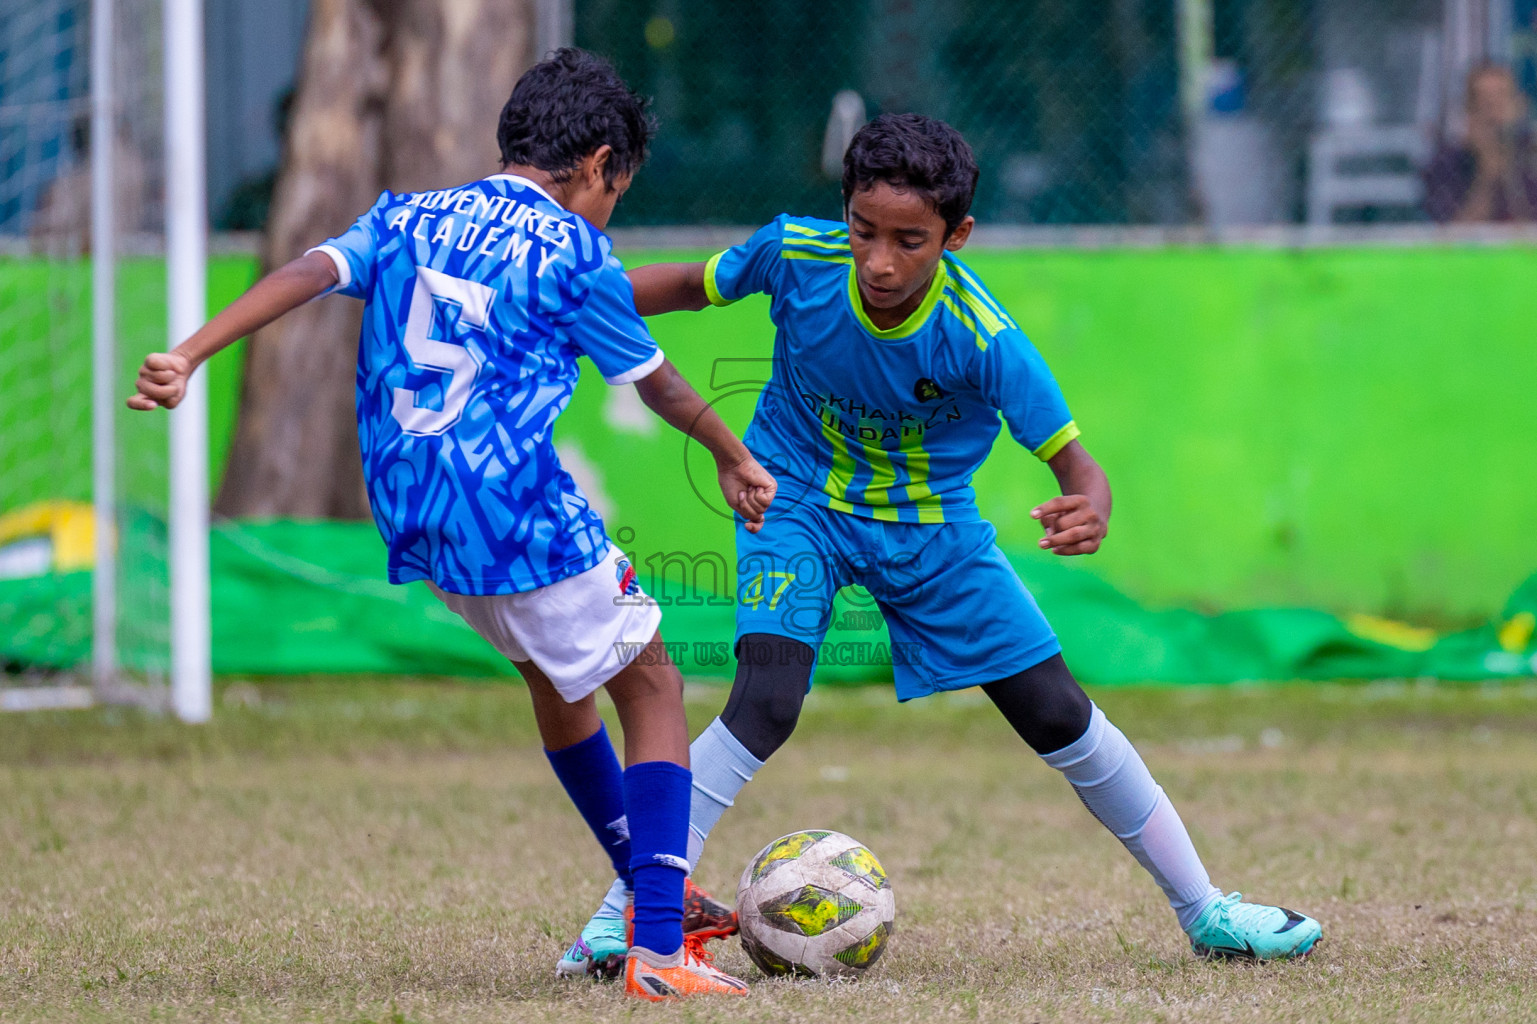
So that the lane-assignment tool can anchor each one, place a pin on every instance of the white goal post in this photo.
(186, 231)
(103, 354)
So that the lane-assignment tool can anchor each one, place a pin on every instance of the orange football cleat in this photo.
(704, 916)
(687, 972)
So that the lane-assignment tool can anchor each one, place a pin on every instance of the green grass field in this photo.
(392, 851)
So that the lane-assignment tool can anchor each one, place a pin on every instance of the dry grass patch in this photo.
(389, 852)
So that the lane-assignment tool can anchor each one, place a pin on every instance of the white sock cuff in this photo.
(717, 734)
(1109, 775)
(711, 795)
(1084, 747)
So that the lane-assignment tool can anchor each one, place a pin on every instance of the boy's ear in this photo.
(594, 164)
(961, 234)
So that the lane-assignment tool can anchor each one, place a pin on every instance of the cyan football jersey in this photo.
(889, 424)
(479, 301)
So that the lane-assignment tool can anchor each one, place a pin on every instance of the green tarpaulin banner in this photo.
(311, 597)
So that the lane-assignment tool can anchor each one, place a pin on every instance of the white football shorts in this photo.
(579, 631)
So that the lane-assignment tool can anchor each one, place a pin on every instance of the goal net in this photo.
(85, 594)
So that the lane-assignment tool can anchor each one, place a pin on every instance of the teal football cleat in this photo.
(600, 952)
(1231, 929)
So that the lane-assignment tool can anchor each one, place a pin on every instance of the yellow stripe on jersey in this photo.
(883, 475)
(1056, 442)
(808, 254)
(975, 288)
(876, 496)
(801, 229)
(711, 288)
(918, 493)
(986, 317)
(818, 243)
(930, 513)
(949, 299)
(839, 505)
(840, 474)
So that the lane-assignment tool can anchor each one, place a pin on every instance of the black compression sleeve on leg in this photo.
(1044, 704)
(772, 675)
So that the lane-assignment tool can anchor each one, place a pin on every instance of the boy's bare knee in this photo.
(647, 684)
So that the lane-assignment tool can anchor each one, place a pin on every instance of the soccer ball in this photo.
(815, 904)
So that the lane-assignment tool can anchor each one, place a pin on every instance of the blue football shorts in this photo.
(957, 613)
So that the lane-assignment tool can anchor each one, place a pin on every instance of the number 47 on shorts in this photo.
(754, 592)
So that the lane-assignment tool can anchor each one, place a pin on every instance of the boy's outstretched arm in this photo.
(668, 287)
(163, 376)
(1075, 523)
(748, 487)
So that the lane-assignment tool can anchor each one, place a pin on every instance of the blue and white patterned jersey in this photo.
(479, 301)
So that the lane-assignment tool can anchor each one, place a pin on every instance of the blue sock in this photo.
(656, 796)
(590, 772)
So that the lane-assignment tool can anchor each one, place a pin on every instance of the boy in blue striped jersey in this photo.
(892, 365)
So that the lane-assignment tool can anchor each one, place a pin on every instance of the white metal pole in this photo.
(186, 230)
(103, 350)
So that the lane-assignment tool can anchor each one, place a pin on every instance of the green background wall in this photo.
(1347, 429)
(1344, 429)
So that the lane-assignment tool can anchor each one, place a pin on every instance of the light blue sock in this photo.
(614, 901)
(721, 766)
(1116, 787)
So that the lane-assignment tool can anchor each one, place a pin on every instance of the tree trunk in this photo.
(393, 94)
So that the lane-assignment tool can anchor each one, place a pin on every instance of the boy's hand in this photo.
(749, 489)
(162, 381)
(163, 377)
(1073, 525)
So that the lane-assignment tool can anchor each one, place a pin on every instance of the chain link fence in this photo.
(1124, 113)
(1120, 112)
(1210, 113)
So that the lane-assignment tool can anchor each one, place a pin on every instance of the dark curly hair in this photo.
(564, 108)
(910, 151)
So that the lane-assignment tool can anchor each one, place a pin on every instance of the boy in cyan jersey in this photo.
(892, 365)
(479, 300)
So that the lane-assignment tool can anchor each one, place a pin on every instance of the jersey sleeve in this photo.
(610, 332)
(355, 253)
(741, 270)
(1017, 382)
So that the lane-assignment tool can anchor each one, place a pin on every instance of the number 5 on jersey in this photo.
(463, 304)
